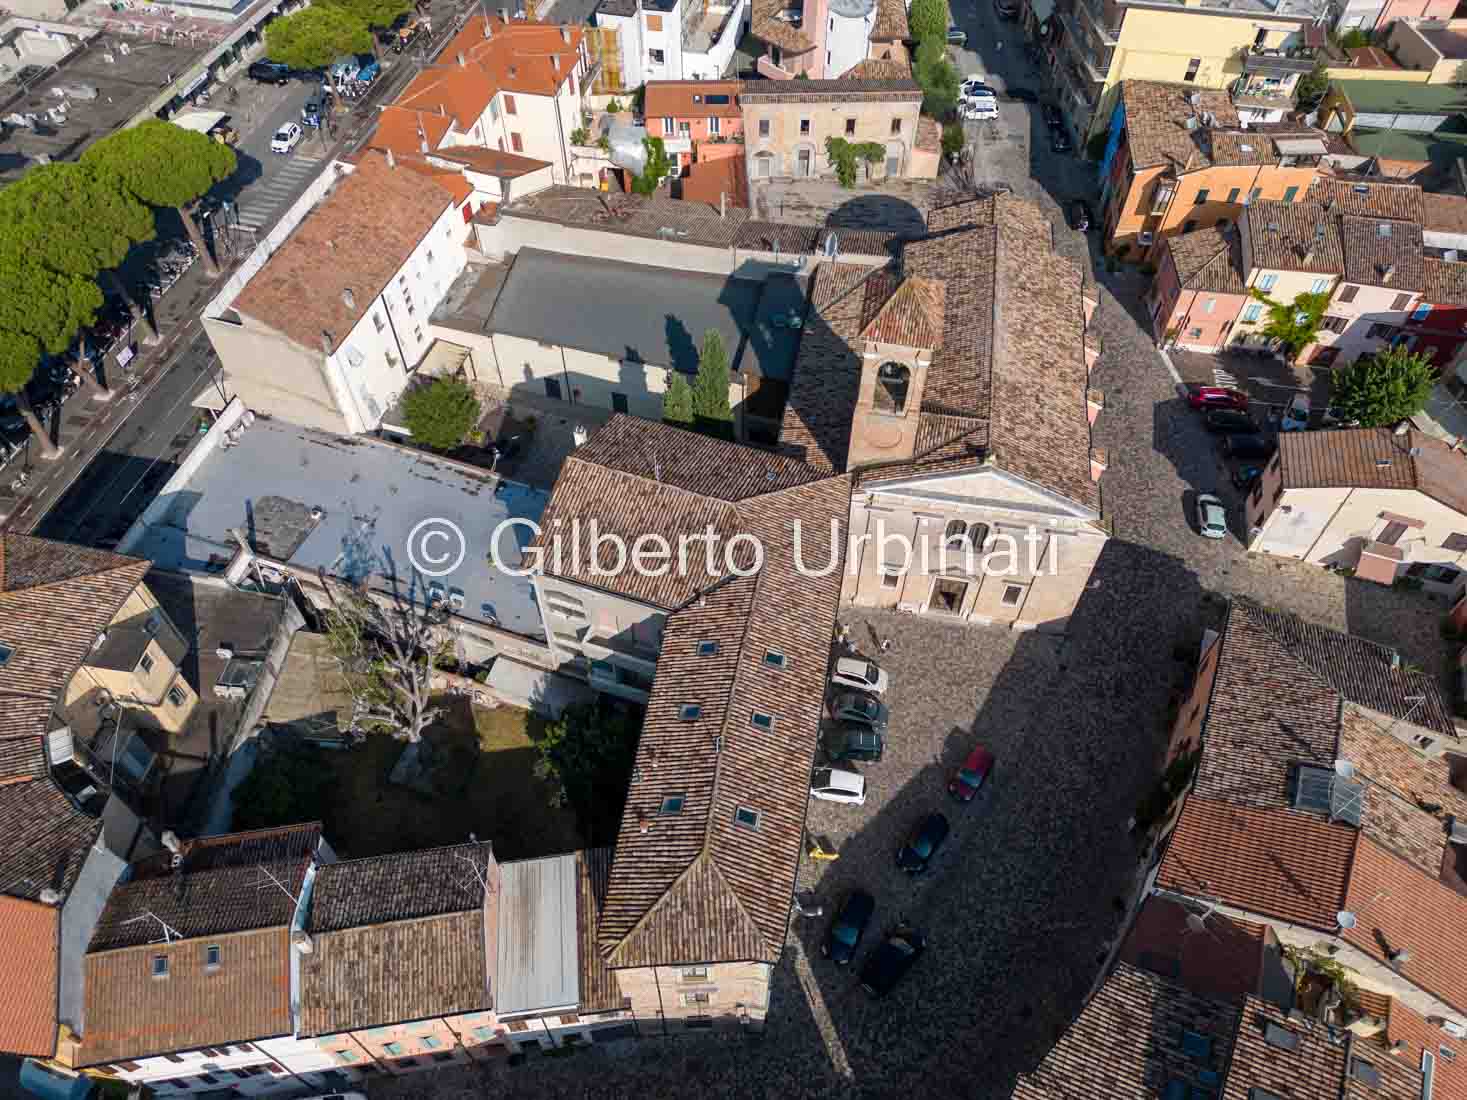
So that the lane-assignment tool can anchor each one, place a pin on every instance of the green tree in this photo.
(659, 164)
(845, 155)
(677, 402)
(161, 164)
(928, 19)
(1311, 87)
(1382, 389)
(939, 80)
(1355, 39)
(374, 13)
(20, 354)
(1293, 324)
(953, 139)
(710, 389)
(441, 413)
(589, 754)
(316, 36)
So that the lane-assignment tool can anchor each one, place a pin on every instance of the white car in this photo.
(859, 673)
(835, 785)
(1212, 517)
(1296, 416)
(286, 138)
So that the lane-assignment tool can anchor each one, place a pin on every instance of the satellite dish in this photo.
(1345, 919)
(1196, 922)
(1344, 769)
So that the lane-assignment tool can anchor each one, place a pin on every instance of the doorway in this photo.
(947, 596)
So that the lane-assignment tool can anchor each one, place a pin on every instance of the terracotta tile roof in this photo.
(405, 131)
(131, 1014)
(47, 838)
(1449, 1079)
(402, 886)
(872, 68)
(491, 162)
(355, 240)
(1444, 213)
(451, 180)
(711, 181)
(1293, 236)
(944, 443)
(521, 56)
(1369, 198)
(929, 135)
(1156, 118)
(1382, 252)
(1395, 902)
(1375, 458)
(394, 972)
(1209, 259)
(831, 91)
(1444, 282)
(1313, 1070)
(30, 935)
(689, 98)
(217, 889)
(634, 215)
(599, 989)
(1242, 147)
(1127, 1043)
(891, 22)
(1371, 57)
(766, 25)
(1277, 863)
(912, 316)
(1226, 966)
(695, 886)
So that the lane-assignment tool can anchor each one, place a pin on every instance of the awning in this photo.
(1301, 147)
(200, 122)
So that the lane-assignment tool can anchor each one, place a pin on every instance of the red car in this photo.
(973, 774)
(1216, 397)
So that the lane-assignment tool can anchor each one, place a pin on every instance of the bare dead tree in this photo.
(388, 645)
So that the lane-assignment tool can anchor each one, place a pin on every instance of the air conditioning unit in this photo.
(224, 653)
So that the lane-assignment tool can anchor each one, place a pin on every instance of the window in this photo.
(892, 382)
(1162, 197)
(552, 387)
(761, 721)
(207, 1079)
(1194, 334)
(1252, 311)
(890, 579)
(509, 107)
(430, 1043)
(1282, 1037)
(211, 957)
(145, 664)
(654, 23)
(713, 124)
(1456, 543)
(959, 535)
(701, 1023)
(1365, 1073)
(695, 973)
(516, 143)
(377, 321)
(694, 1000)
(746, 817)
(763, 127)
(443, 1056)
(160, 966)
(1200, 197)
(1012, 594)
(392, 1048)
(1189, 225)
(1421, 312)
(948, 596)
(1192, 66)
(690, 712)
(1255, 194)
(1380, 332)
(850, 126)
(1319, 286)
(774, 658)
(1401, 301)
(1209, 306)
(669, 126)
(175, 696)
(1265, 283)
(1290, 193)
(804, 126)
(684, 129)
(1234, 193)
(655, 56)
(518, 1025)
(1334, 324)
(619, 402)
(896, 126)
(707, 649)
(1347, 293)
(672, 804)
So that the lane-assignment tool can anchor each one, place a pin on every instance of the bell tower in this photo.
(897, 347)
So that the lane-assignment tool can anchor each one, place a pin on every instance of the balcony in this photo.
(1094, 62)
(1105, 17)
(1280, 63)
(1074, 79)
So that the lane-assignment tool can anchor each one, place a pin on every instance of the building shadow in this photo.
(883, 213)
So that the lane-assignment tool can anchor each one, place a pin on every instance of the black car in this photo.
(1230, 421)
(858, 743)
(845, 931)
(889, 963)
(1028, 95)
(269, 72)
(1052, 117)
(1006, 9)
(1248, 446)
(922, 844)
(1059, 140)
(1080, 215)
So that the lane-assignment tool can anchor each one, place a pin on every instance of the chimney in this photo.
(460, 58)
(348, 299)
(555, 62)
(565, 34)
(1094, 404)
(1098, 462)
(641, 820)
(1387, 273)
(488, 29)
(391, 160)
(504, 14)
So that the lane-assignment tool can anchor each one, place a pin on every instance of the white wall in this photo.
(297, 1064)
(846, 41)
(669, 40)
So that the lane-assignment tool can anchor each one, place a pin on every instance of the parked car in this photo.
(859, 673)
(10, 418)
(1080, 215)
(835, 785)
(1217, 397)
(1229, 421)
(922, 844)
(863, 710)
(1296, 416)
(889, 963)
(286, 138)
(268, 72)
(967, 780)
(1028, 95)
(1252, 446)
(312, 108)
(974, 83)
(845, 930)
(956, 36)
(858, 743)
(1212, 517)
(1052, 116)
(1059, 140)
(1245, 476)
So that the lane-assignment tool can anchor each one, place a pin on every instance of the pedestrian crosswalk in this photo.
(264, 200)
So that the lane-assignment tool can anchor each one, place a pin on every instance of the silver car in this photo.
(1212, 517)
(859, 673)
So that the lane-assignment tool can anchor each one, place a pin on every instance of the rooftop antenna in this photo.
(273, 881)
(476, 873)
(1344, 921)
(169, 932)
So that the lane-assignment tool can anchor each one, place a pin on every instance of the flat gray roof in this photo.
(538, 967)
(372, 496)
(654, 315)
